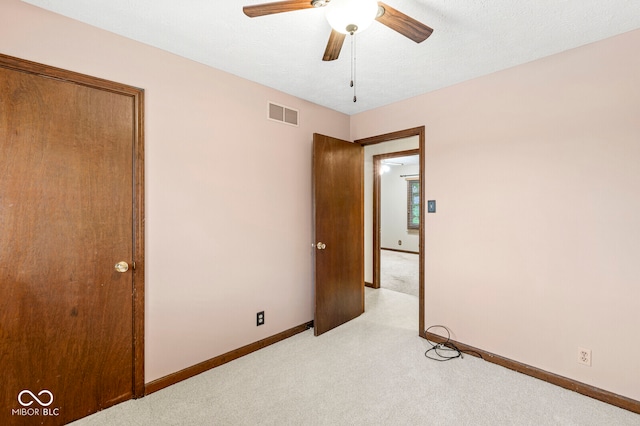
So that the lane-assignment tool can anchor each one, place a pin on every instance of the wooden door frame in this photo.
(137, 99)
(389, 137)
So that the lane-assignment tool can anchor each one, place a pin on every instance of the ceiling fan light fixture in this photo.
(350, 16)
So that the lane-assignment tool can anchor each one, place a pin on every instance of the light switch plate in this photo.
(431, 206)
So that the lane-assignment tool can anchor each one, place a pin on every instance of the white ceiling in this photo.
(408, 160)
(284, 51)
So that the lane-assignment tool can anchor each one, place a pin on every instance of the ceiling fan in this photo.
(378, 11)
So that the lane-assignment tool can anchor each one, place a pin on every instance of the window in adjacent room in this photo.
(413, 204)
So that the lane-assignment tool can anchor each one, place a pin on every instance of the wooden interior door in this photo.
(338, 176)
(69, 193)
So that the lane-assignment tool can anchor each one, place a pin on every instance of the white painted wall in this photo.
(534, 250)
(393, 210)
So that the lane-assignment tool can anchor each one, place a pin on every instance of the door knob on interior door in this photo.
(321, 246)
(122, 266)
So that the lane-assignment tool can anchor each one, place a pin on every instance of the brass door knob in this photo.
(122, 266)
(321, 246)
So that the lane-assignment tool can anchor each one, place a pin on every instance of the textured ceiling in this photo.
(284, 51)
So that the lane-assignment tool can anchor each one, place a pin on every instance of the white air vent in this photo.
(283, 114)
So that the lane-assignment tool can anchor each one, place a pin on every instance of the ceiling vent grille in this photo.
(283, 114)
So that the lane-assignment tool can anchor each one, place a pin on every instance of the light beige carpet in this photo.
(370, 371)
(399, 271)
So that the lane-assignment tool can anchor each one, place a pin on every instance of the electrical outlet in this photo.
(584, 356)
(260, 318)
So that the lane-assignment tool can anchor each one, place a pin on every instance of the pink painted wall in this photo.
(535, 248)
(228, 192)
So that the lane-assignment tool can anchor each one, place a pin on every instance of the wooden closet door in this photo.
(67, 215)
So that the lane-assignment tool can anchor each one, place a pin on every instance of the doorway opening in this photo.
(387, 146)
(396, 217)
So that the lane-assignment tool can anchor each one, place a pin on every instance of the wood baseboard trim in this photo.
(582, 388)
(194, 370)
(400, 251)
(366, 284)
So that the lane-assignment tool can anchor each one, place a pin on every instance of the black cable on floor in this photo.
(446, 350)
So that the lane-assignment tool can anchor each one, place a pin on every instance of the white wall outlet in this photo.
(584, 356)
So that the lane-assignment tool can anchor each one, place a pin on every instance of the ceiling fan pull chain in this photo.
(353, 65)
(351, 85)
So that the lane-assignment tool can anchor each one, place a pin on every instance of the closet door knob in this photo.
(122, 267)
